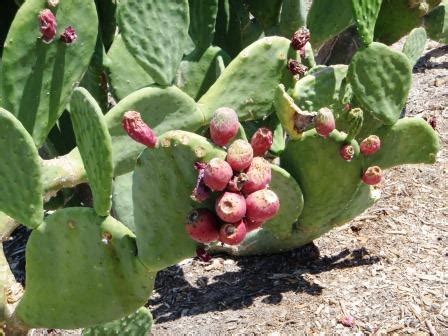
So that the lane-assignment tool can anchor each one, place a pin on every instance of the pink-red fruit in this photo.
(261, 141)
(224, 126)
(372, 175)
(324, 122)
(239, 155)
(69, 35)
(252, 225)
(258, 175)
(217, 174)
(202, 226)
(232, 233)
(296, 68)
(347, 152)
(230, 207)
(136, 128)
(262, 205)
(300, 38)
(47, 25)
(370, 145)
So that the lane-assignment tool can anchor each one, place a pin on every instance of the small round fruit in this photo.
(224, 126)
(217, 174)
(232, 233)
(202, 226)
(370, 145)
(230, 207)
(372, 175)
(261, 141)
(258, 175)
(239, 155)
(262, 205)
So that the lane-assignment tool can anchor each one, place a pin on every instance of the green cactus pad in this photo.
(436, 23)
(324, 88)
(291, 203)
(410, 140)
(248, 83)
(197, 73)
(126, 74)
(149, 28)
(415, 45)
(95, 146)
(327, 18)
(267, 12)
(328, 182)
(20, 174)
(292, 17)
(381, 79)
(107, 17)
(88, 261)
(163, 109)
(123, 206)
(202, 22)
(137, 324)
(164, 178)
(38, 78)
(366, 13)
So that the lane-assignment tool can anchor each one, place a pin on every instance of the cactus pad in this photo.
(95, 147)
(436, 23)
(163, 109)
(122, 200)
(202, 22)
(381, 79)
(38, 78)
(248, 83)
(149, 28)
(137, 324)
(20, 174)
(87, 260)
(366, 13)
(415, 45)
(293, 16)
(164, 178)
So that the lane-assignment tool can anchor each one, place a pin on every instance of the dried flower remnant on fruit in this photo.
(201, 192)
(300, 38)
(138, 130)
(347, 152)
(47, 25)
(296, 68)
(69, 35)
(237, 182)
(372, 175)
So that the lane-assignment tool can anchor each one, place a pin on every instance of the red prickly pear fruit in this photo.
(217, 174)
(300, 38)
(224, 126)
(47, 25)
(232, 233)
(69, 35)
(258, 175)
(324, 122)
(201, 192)
(136, 128)
(372, 175)
(347, 152)
(370, 145)
(296, 68)
(262, 205)
(253, 225)
(261, 141)
(239, 155)
(237, 182)
(202, 226)
(230, 207)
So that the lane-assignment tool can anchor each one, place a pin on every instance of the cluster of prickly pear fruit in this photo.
(244, 201)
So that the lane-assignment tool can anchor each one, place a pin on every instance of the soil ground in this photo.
(386, 272)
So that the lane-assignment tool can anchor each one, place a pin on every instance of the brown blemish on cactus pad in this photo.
(106, 237)
(199, 151)
(71, 224)
(184, 139)
(165, 142)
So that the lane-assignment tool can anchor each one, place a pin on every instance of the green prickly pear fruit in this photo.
(261, 141)
(296, 68)
(324, 122)
(300, 38)
(355, 120)
(262, 205)
(224, 126)
(138, 130)
(69, 35)
(202, 226)
(200, 192)
(232, 233)
(258, 175)
(230, 207)
(47, 25)
(370, 145)
(347, 152)
(372, 175)
(239, 155)
(217, 174)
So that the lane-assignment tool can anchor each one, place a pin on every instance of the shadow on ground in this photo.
(268, 276)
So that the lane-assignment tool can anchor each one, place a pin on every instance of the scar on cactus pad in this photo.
(138, 130)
